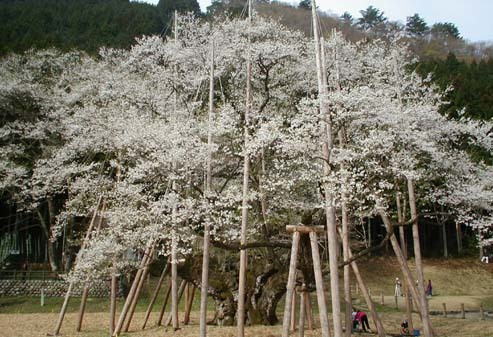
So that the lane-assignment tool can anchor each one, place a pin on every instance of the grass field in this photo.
(455, 282)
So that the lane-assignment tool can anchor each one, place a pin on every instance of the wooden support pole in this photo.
(133, 290)
(290, 285)
(302, 314)
(409, 308)
(163, 308)
(64, 310)
(174, 283)
(463, 311)
(180, 294)
(481, 311)
(187, 294)
(204, 285)
(304, 229)
(113, 301)
(421, 297)
(246, 177)
(444, 310)
(308, 309)
(82, 307)
(366, 294)
(188, 309)
(155, 294)
(69, 290)
(135, 299)
(293, 312)
(317, 268)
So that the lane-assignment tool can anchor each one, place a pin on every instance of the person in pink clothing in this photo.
(362, 318)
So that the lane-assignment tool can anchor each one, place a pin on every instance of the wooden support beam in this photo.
(82, 247)
(113, 301)
(302, 314)
(155, 294)
(133, 289)
(304, 229)
(163, 308)
(135, 299)
(293, 312)
(309, 311)
(291, 282)
(317, 268)
(188, 309)
(180, 294)
(82, 308)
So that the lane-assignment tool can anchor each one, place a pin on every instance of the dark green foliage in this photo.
(167, 7)
(416, 25)
(347, 18)
(80, 24)
(305, 4)
(370, 18)
(233, 7)
(445, 30)
(472, 85)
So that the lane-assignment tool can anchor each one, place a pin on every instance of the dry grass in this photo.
(455, 282)
(95, 325)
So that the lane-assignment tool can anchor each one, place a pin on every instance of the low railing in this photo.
(28, 275)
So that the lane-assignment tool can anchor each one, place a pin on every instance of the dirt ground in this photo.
(96, 325)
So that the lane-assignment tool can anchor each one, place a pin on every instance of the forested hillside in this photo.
(81, 24)
(90, 24)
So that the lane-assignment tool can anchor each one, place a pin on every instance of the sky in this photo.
(472, 17)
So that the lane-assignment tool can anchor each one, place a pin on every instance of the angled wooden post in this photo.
(155, 294)
(308, 309)
(163, 308)
(133, 290)
(113, 300)
(293, 311)
(189, 302)
(317, 268)
(302, 314)
(291, 282)
(135, 299)
(69, 290)
(82, 308)
(169, 320)
(85, 291)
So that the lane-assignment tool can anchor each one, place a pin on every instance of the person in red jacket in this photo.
(362, 318)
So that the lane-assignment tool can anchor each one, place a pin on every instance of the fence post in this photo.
(462, 310)
(481, 311)
(444, 310)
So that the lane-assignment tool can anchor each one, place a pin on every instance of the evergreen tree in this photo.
(371, 18)
(347, 18)
(167, 7)
(416, 26)
(305, 4)
(445, 30)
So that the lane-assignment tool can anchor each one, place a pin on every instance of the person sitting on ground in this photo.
(404, 327)
(362, 318)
